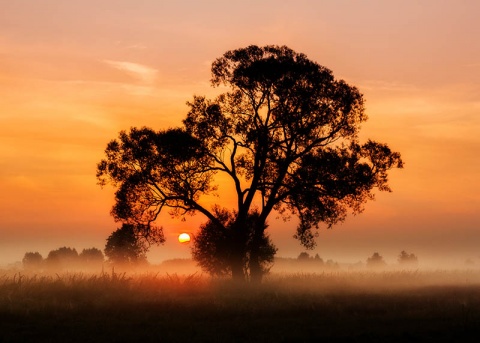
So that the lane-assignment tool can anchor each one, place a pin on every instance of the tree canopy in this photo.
(64, 257)
(124, 246)
(407, 259)
(285, 134)
(91, 256)
(375, 261)
(32, 260)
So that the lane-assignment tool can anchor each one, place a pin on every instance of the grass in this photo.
(333, 307)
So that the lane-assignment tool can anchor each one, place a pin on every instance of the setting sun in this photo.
(184, 238)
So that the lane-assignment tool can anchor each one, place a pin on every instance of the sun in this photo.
(184, 238)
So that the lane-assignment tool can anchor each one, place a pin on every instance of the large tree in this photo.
(285, 134)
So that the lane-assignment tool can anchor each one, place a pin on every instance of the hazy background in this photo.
(75, 73)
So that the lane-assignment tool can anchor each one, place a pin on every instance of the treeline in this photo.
(306, 262)
(123, 248)
(64, 258)
(376, 260)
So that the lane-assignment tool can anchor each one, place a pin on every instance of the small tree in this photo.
(304, 256)
(32, 260)
(318, 259)
(91, 257)
(405, 258)
(126, 246)
(64, 257)
(214, 245)
(375, 261)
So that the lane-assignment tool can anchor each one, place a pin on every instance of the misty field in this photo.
(331, 306)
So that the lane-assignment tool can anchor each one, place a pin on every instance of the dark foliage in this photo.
(214, 245)
(125, 246)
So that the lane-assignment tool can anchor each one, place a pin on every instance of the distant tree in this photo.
(91, 256)
(318, 259)
(376, 260)
(32, 260)
(407, 259)
(214, 244)
(304, 256)
(125, 246)
(285, 135)
(64, 257)
(331, 264)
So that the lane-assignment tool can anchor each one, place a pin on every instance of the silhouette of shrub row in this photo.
(62, 258)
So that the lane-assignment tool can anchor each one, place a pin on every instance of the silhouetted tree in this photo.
(286, 136)
(304, 256)
(304, 259)
(91, 257)
(318, 259)
(64, 257)
(376, 260)
(124, 246)
(331, 264)
(407, 259)
(214, 244)
(32, 260)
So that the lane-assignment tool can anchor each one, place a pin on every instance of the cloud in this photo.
(141, 72)
(382, 85)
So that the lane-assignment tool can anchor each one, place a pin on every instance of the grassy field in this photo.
(402, 306)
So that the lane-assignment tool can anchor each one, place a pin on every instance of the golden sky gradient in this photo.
(75, 73)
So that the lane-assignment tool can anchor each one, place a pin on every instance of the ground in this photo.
(331, 306)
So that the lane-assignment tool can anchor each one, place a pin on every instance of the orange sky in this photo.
(74, 73)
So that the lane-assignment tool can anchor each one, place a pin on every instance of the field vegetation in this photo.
(333, 305)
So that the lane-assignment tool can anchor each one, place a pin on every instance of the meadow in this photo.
(332, 306)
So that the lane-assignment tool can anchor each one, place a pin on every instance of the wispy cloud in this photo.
(381, 85)
(143, 73)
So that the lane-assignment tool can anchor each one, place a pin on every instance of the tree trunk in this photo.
(238, 274)
(238, 254)
(256, 272)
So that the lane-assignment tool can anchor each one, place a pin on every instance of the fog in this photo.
(321, 274)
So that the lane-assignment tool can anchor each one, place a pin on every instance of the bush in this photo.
(407, 259)
(91, 257)
(32, 260)
(64, 257)
(124, 246)
(375, 261)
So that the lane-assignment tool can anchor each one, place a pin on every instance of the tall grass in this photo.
(148, 307)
